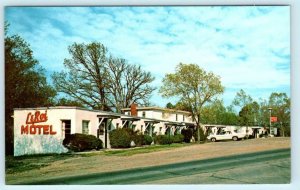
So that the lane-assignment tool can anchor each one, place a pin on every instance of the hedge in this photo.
(178, 138)
(81, 142)
(163, 139)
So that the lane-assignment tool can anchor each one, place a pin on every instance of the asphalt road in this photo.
(268, 167)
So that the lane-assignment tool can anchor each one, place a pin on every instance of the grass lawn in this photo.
(142, 150)
(29, 162)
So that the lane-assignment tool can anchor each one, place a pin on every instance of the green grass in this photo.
(30, 162)
(142, 150)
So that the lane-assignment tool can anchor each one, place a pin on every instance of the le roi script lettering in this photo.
(33, 125)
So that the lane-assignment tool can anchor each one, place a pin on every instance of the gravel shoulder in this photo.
(102, 163)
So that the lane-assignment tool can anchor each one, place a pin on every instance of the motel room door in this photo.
(102, 132)
(66, 127)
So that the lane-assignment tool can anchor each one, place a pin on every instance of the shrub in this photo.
(120, 138)
(138, 139)
(187, 135)
(163, 139)
(81, 142)
(178, 138)
(202, 135)
(148, 139)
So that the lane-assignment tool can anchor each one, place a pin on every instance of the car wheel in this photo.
(213, 139)
(234, 138)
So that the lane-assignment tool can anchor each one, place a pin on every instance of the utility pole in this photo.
(270, 110)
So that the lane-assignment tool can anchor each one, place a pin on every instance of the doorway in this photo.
(66, 127)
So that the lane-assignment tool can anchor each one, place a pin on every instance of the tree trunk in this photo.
(198, 128)
(198, 132)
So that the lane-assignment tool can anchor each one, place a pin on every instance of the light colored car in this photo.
(226, 135)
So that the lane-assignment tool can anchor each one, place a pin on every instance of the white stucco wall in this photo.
(35, 143)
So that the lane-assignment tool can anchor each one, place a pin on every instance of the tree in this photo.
(100, 81)
(128, 84)
(25, 82)
(170, 106)
(241, 99)
(216, 113)
(249, 114)
(67, 102)
(280, 104)
(193, 86)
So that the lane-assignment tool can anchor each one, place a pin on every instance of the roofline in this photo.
(86, 109)
(157, 108)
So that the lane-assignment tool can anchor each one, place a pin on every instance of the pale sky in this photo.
(247, 46)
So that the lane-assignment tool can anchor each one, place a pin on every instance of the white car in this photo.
(226, 135)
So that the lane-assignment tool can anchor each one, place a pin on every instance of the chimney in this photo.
(133, 109)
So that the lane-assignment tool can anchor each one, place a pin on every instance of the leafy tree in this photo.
(241, 99)
(100, 81)
(263, 113)
(178, 106)
(68, 102)
(25, 82)
(170, 106)
(194, 87)
(280, 104)
(216, 113)
(249, 114)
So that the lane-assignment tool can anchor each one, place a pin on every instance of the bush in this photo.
(163, 139)
(140, 139)
(81, 142)
(178, 138)
(120, 138)
(187, 135)
(203, 136)
(148, 139)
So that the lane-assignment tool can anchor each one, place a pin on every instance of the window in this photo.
(85, 127)
(144, 114)
(183, 118)
(176, 117)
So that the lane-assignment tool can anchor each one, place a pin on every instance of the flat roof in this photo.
(159, 109)
(130, 119)
(175, 123)
(109, 116)
(101, 113)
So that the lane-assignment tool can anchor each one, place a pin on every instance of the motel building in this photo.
(42, 130)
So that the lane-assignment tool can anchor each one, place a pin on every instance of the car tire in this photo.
(235, 138)
(213, 139)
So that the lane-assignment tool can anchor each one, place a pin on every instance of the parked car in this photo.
(225, 135)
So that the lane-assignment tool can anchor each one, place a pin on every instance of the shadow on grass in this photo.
(29, 162)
